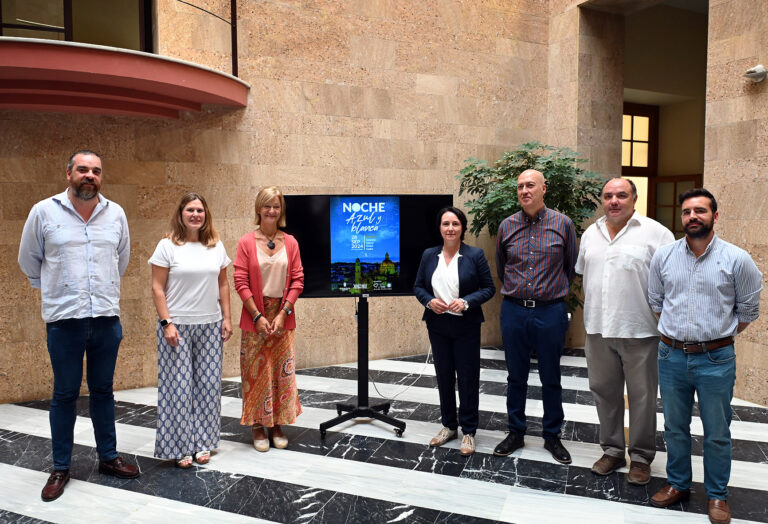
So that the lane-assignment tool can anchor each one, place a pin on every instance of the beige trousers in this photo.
(610, 363)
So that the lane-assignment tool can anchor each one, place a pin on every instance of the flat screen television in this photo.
(362, 244)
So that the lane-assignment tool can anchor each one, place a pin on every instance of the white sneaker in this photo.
(468, 445)
(444, 436)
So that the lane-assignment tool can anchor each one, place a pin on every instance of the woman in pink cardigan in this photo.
(269, 278)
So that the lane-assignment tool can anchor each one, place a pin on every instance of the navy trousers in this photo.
(524, 330)
(68, 340)
(456, 353)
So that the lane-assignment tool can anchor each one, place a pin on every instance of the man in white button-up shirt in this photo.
(622, 337)
(74, 248)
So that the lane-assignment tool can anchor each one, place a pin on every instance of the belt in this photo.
(698, 347)
(531, 303)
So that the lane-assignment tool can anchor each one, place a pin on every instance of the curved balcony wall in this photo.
(46, 75)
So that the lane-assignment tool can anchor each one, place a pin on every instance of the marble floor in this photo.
(363, 472)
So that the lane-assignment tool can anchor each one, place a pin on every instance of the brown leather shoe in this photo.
(719, 512)
(119, 468)
(667, 496)
(607, 464)
(639, 473)
(55, 485)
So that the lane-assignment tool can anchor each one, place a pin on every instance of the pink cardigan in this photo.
(248, 278)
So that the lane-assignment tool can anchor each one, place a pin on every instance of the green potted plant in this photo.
(571, 189)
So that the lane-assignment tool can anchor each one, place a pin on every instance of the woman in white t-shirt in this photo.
(191, 294)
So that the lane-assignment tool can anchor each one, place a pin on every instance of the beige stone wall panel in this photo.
(313, 124)
(186, 33)
(536, 7)
(490, 89)
(410, 106)
(736, 159)
(737, 140)
(366, 102)
(525, 50)
(321, 72)
(372, 53)
(417, 57)
(17, 204)
(437, 84)
(396, 129)
(741, 45)
(515, 25)
(563, 23)
(734, 17)
(437, 132)
(277, 29)
(283, 96)
(25, 371)
(726, 80)
(460, 18)
(736, 109)
(752, 373)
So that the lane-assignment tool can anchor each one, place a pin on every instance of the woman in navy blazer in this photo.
(452, 282)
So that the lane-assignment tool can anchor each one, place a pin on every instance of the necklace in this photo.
(270, 241)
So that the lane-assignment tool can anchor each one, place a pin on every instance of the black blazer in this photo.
(475, 281)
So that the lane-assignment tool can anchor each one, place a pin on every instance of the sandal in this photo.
(202, 457)
(184, 462)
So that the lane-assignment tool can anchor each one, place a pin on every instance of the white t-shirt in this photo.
(192, 288)
(616, 277)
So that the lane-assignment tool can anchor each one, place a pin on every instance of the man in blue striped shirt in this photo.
(75, 247)
(706, 291)
(535, 258)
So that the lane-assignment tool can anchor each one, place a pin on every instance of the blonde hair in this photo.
(178, 233)
(264, 196)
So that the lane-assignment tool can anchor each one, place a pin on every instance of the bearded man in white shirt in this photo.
(75, 248)
(622, 336)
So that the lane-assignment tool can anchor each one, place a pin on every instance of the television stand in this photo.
(362, 410)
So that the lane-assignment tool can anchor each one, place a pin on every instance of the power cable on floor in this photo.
(421, 373)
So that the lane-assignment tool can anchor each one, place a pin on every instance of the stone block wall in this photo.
(346, 97)
(736, 159)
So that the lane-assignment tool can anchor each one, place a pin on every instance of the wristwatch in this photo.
(288, 311)
(257, 317)
(466, 304)
(164, 322)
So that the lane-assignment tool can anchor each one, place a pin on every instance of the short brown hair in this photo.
(264, 196)
(178, 234)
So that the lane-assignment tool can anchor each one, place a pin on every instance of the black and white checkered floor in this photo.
(363, 472)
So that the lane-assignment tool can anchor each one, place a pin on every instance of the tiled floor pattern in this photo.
(362, 472)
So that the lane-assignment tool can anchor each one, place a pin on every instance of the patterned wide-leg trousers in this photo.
(189, 391)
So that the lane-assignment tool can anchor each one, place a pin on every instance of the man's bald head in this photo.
(531, 186)
(532, 172)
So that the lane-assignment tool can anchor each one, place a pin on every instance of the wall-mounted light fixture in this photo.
(757, 73)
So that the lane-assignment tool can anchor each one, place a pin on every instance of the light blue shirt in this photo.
(704, 298)
(76, 264)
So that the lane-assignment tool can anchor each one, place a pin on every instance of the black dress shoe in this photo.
(55, 485)
(510, 443)
(119, 468)
(559, 453)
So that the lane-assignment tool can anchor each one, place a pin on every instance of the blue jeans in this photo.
(524, 330)
(68, 340)
(711, 375)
